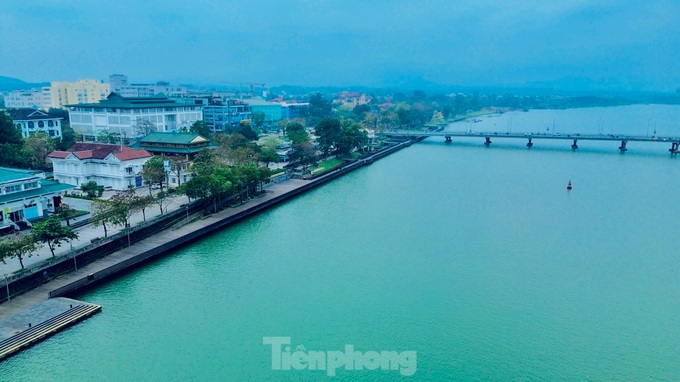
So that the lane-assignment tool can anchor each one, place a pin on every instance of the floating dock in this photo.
(34, 324)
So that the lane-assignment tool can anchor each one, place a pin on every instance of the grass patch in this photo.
(327, 165)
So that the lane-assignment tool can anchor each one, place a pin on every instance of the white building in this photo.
(119, 84)
(132, 117)
(26, 195)
(31, 121)
(29, 99)
(112, 166)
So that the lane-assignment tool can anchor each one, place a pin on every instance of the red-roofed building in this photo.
(112, 166)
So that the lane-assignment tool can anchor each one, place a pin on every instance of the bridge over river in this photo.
(674, 142)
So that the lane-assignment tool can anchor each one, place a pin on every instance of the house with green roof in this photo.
(132, 117)
(26, 195)
(179, 149)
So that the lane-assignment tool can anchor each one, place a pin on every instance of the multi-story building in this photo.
(81, 91)
(271, 110)
(31, 121)
(221, 116)
(119, 84)
(112, 166)
(132, 117)
(26, 195)
(179, 149)
(294, 110)
(29, 99)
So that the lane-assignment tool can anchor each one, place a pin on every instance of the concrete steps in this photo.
(47, 328)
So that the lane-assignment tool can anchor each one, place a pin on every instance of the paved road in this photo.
(88, 232)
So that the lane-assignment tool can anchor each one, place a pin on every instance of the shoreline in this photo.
(164, 242)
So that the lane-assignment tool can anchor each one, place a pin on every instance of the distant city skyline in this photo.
(593, 45)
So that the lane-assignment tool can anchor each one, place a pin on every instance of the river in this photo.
(464, 262)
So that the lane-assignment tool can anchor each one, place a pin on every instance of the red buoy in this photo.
(569, 185)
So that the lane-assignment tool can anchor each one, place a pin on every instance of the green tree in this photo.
(38, 146)
(329, 131)
(11, 142)
(102, 214)
(123, 207)
(106, 136)
(319, 108)
(153, 172)
(248, 132)
(352, 137)
(203, 162)
(18, 245)
(141, 203)
(360, 110)
(92, 189)
(258, 118)
(296, 133)
(162, 199)
(52, 232)
(66, 212)
(403, 111)
(303, 153)
(268, 155)
(201, 128)
(178, 164)
(68, 138)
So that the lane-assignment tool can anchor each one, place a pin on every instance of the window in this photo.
(128, 170)
(30, 185)
(31, 124)
(13, 188)
(50, 123)
(41, 123)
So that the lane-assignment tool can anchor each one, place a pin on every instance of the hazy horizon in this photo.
(601, 45)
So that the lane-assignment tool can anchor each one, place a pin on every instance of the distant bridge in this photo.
(530, 137)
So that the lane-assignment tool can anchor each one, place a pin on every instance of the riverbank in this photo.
(168, 240)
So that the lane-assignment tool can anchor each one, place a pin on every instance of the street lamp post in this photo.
(186, 207)
(127, 228)
(75, 263)
(7, 286)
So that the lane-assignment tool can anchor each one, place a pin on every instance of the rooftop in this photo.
(11, 174)
(172, 138)
(85, 150)
(29, 114)
(46, 187)
(115, 100)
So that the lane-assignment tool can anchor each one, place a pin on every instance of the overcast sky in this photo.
(604, 44)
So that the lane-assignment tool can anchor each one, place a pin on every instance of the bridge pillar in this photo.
(574, 145)
(623, 148)
(487, 142)
(448, 138)
(674, 147)
(529, 144)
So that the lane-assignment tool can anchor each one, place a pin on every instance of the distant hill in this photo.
(8, 84)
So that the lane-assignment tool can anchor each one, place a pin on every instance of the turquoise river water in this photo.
(438, 263)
